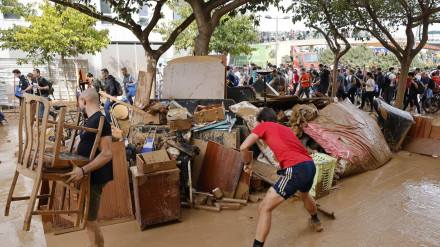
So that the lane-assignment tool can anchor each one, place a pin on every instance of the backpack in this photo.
(421, 89)
(431, 84)
(118, 88)
(387, 80)
(51, 89)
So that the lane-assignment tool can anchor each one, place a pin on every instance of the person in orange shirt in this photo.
(304, 84)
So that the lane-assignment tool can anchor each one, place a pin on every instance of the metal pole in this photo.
(276, 43)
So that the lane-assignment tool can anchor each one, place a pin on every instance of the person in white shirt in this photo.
(238, 75)
(389, 90)
(418, 76)
(369, 91)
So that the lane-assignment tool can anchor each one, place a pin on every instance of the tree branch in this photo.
(174, 35)
(86, 10)
(154, 19)
(227, 8)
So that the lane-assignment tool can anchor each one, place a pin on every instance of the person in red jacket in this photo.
(296, 174)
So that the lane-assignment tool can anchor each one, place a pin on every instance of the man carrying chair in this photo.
(100, 169)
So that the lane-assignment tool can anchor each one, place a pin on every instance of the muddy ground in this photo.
(395, 205)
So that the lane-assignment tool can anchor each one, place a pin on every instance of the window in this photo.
(143, 15)
(9, 15)
(311, 58)
(106, 10)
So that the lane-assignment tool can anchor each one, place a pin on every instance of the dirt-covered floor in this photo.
(395, 205)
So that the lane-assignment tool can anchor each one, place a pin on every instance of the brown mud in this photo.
(395, 205)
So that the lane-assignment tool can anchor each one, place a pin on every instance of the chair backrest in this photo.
(32, 133)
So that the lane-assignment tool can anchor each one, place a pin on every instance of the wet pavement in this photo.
(395, 205)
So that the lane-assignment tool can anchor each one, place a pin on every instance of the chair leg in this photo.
(81, 200)
(52, 195)
(11, 192)
(32, 200)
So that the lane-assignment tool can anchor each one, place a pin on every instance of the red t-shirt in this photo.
(284, 144)
(305, 77)
(436, 79)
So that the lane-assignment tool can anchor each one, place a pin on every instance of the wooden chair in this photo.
(34, 161)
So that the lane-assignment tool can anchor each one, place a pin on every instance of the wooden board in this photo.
(221, 168)
(242, 191)
(422, 127)
(424, 146)
(198, 160)
(435, 132)
(266, 172)
(156, 196)
(143, 94)
(116, 197)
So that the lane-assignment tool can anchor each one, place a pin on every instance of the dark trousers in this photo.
(42, 108)
(388, 94)
(367, 95)
(305, 90)
(411, 100)
(107, 106)
(351, 93)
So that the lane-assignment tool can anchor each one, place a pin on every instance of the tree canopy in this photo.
(233, 35)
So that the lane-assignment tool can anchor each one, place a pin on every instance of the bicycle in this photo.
(432, 105)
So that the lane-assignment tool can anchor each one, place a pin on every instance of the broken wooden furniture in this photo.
(156, 196)
(38, 164)
(82, 80)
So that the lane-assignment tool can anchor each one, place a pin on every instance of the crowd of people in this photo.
(360, 87)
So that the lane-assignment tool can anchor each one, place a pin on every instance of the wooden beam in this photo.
(132, 107)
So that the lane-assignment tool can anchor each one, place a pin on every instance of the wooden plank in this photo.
(221, 168)
(116, 197)
(198, 160)
(435, 132)
(424, 146)
(422, 127)
(242, 191)
(266, 172)
(132, 107)
(143, 94)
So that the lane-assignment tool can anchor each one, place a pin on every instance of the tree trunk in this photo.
(404, 69)
(63, 62)
(335, 74)
(145, 87)
(201, 45)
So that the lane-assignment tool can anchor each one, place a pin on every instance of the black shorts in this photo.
(298, 177)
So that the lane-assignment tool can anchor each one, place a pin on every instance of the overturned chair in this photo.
(41, 162)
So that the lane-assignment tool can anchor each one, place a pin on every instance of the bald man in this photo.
(100, 169)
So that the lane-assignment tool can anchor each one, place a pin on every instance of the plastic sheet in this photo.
(345, 132)
(395, 123)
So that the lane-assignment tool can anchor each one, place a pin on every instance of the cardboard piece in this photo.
(177, 113)
(281, 117)
(154, 161)
(226, 138)
(180, 124)
(151, 118)
(210, 113)
(435, 132)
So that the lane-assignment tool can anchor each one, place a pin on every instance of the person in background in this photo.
(275, 80)
(296, 174)
(304, 84)
(380, 81)
(390, 85)
(315, 83)
(110, 89)
(41, 88)
(231, 79)
(23, 83)
(369, 91)
(351, 85)
(129, 82)
(100, 168)
(417, 74)
(238, 75)
(411, 93)
(425, 82)
(159, 83)
(324, 79)
(95, 82)
(246, 75)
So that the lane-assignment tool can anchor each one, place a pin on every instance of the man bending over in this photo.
(297, 171)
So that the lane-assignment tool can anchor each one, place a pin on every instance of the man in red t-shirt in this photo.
(297, 170)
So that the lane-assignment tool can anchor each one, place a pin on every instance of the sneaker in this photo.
(316, 225)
